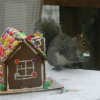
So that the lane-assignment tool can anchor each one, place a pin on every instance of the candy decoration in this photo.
(39, 48)
(8, 38)
(0, 74)
(16, 38)
(7, 30)
(32, 35)
(2, 55)
(13, 29)
(50, 82)
(15, 43)
(0, 81)
(5, 43)
(3, 50)
(35, 35)
(10, 32)
(38, 34)
(12, 40)
(43, 53)
(20, 31)
(7, 52)
(0, 67)
(2, 86)
(33, 60)
(46, 84)
(16, 61)
(35, 44)
(9, 46)
(41, 34)
(6, 35)
(34, 74)
(29, 38)
(0, 39)
(22, 35)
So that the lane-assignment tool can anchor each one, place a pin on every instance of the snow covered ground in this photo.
(84, 83)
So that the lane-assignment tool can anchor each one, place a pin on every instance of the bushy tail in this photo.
(49, 28)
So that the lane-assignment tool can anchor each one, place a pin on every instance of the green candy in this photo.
(41, 34)
(43, 53)
(2, 86)
(46, 84)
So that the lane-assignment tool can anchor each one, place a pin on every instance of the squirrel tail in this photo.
(49, 28)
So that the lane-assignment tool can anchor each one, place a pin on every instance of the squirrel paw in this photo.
(57, 68)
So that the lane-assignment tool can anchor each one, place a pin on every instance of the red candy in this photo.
(29, 38)
(34, 74)
(2, 55)
(16, 61)
(3, 50)
(12, 40)
(9, 46)
(0, 81)
(0, 74)
(10, 32)
(6, 35)
(20, 31)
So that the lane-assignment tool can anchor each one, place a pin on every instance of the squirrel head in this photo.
(83, 44)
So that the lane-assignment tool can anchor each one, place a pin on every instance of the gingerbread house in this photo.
(22, 60)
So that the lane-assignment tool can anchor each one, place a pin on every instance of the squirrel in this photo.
(61, 49)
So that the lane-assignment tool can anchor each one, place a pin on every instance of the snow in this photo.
(84, 83)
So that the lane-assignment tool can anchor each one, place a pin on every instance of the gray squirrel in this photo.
(61, 49)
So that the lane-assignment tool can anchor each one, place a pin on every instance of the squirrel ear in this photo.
(82, 34)
(78, 37)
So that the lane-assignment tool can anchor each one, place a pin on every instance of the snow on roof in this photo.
(11, 39)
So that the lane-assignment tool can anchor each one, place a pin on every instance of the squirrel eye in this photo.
(83, 44)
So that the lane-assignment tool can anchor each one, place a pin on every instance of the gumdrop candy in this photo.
(7, 30)
(10, 32)
(8, 38)
(2, 86)
(7, 52)
(5, 43)
(12, 40)
(0, 74)
(34, 74)
(16, 61)
(46, 84)
(16, 38)
(35, 35)
(0, 39)
(38, 34)
(2, 55)
(32, 35)
(15, 43)
(33, 60)
(20, 31)
(0, 67)
(41, 34)
(9, 46)
(6, 35)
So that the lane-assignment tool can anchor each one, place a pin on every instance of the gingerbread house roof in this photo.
(11, 39)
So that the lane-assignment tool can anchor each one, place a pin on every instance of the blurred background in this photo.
(78, 17)
(75, 16)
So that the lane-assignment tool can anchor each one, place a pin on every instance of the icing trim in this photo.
(15, 52)
(30, 47)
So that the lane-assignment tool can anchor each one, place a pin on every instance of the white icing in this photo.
(42, 77)
(30, 46)
(15, 52)
(19, 67)
(39, 40)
